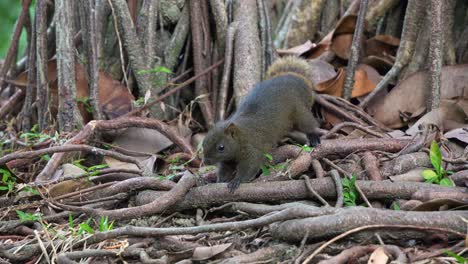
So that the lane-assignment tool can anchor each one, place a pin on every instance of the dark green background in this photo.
(9, 12)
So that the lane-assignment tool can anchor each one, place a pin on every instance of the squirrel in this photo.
(268, 112)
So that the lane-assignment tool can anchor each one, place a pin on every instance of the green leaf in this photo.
(97, 167)
(4, 188)
(269, 157)
(5, 175)
(45, 157)
(27, 217)
(85, 227)
(157, 69)
(70, 221)
(265, 170)
(446, 182)
(395, 206)
(429, 175)
(436, 157)
(459, 258)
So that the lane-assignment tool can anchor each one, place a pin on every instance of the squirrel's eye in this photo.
(220, 147)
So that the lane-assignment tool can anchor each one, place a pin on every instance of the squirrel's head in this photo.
(221, 143)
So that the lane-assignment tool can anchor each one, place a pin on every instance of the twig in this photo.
(358, 189)
(11, 103)
(69, 148)
(339, 188)
(354, 52)
(340, 126)
(173, 90)
(311, 190)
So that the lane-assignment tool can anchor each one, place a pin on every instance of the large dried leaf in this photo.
(318, 50)
(341, 45)
(458, 133)
(115, 99)
(142, 140)
(365, 80)
(412, 93)
(321, 71)
(297, 50)
(345, 26)
(61, 188)
(382, 46)
(382, 65)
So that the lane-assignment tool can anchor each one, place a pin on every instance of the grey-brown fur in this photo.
(270, 110)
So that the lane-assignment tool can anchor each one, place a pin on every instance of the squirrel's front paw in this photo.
(233, 185)
(314, 140)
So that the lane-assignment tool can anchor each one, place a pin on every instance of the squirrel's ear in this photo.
(231, 130)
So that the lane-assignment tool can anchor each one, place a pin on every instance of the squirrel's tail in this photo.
(290, 65)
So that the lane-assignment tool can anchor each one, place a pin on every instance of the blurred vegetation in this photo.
(9, 12)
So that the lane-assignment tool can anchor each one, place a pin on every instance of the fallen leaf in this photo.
(362, 83)
(115, 99)
(204, 253)
(458, 133)
(346, 25)
(439, 204)
(318, 50)
(61, 188)
(143, 140)
(341, 45)
(297, 50)
(412, 93)
(446, 117)
(382, 46)
(381, 64)
(379, 256)
(321, 71)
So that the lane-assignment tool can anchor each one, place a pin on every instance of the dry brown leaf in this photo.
(362, 84)
(341, 45)
(321, 71)
(61, 188)
(297, 50)
(458, 133)
(382, 65)
(446, 117)
(412, 93)
(204, 253)
(379, 256)
(115, 99)
(382, 46)
(141, 140)
(318, 50)
(346, 25)
(439, 204)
